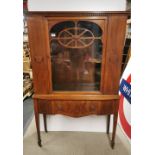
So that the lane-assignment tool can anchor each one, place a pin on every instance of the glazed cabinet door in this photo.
(77, 50)
(40, 53)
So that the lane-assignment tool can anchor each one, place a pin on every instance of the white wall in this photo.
(90, 123)
(76, 5)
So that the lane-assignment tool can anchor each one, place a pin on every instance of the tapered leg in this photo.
(108, 123)
(114, 130)
(37, 121)
(45, 124)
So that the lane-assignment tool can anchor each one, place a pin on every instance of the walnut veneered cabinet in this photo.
(76, 62)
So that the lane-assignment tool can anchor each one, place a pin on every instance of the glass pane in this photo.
(76, 55)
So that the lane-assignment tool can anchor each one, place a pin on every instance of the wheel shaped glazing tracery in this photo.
(75, 37)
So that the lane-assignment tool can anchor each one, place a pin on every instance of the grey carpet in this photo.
(27, 113)
(73, 143)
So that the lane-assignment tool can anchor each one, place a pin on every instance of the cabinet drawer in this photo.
(76, 108)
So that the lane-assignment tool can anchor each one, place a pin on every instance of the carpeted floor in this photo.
(73, 143)
(27, 113)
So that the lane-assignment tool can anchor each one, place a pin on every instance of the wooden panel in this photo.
(116, 106)
(114, 49)
(39, 50)
(76, 108)
(74, 97)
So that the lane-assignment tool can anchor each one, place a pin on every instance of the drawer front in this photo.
(76, 108)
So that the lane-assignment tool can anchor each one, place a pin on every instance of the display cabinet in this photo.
(76, 63)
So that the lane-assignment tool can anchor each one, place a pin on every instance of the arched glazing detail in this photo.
(76, 55)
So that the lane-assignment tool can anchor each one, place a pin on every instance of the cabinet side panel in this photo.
(115, 44)
(40, 54)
